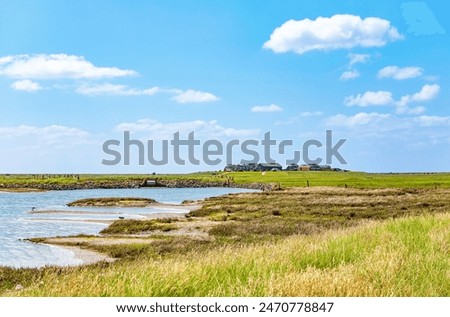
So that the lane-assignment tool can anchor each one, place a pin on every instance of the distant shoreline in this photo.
(22, 190)
(39, 185)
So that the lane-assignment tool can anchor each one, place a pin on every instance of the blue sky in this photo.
(74, 74)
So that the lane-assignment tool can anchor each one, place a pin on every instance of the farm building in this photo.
(304, 167)
(314, 167)
(268, 167)
(292, 167)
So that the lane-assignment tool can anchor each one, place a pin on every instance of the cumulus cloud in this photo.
(359, 119)
(53, 134)
(341, 31)
(63, 67)
(428, 92)
(193, 96)
(349, 74)
(111, 89)
(26, 85)
(159, 130)
(357, 59)
(400, 73)
(54, 66)
(384, 98)
(269, 108)
(370, 98)
(354, 59)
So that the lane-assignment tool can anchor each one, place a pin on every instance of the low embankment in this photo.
(25, 183)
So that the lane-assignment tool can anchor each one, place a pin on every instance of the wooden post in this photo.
(307, 183)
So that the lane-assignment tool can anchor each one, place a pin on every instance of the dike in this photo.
(168, 183)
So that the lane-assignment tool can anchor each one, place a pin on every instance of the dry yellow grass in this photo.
(401, 257)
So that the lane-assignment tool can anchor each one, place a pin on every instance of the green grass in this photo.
(342, 179)
(132, 226)
(113, 202)
(400, 257)
(285, 179)
(95, 180)
(256, 216)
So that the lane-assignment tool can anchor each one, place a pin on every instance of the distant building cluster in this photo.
(261, 167)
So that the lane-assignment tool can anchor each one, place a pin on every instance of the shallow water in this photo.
(17, 223)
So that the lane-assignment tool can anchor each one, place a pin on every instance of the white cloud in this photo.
(400, 73)
(190, 96)
(6, 59)
(354, 59)
(295, 119)
(310, 114)
(350, 74)
(359, 119)
(384, 98)
(63, 66)
(26, 85)
(180, 96)
(408, 110)
(55, 66)
(111, 89)
(370, 98)
(431, 78)
(53, 134)
(358, 58)
(430, 121)
(269, 108)
(158, 130)
(341, 31)
(428, 92)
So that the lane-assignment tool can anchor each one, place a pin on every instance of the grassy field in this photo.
(30, 180)
(285, 179)
(342, 179)
(402, 257)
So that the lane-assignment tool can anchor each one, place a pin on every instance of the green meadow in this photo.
(284, 178)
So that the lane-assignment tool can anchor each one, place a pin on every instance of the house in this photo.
(253, 167)
(304, 167)
(292, 167)
(314, 167)
(268, 167)
(229, 168)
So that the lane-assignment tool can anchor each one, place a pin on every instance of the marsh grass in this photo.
(314, 210)
(133, 226)
(399, 257)
(112, 202)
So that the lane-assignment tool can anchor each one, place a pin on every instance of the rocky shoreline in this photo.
(169, 183)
